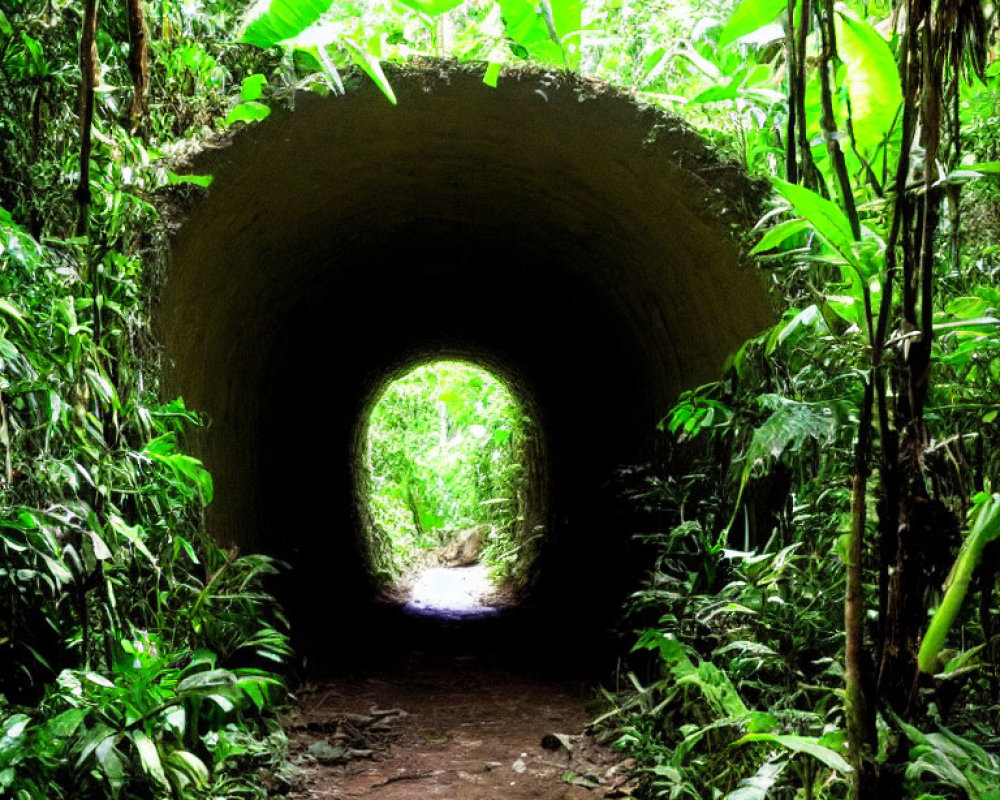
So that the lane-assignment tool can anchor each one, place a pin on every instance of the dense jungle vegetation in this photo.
(820, 619)
(444, 454)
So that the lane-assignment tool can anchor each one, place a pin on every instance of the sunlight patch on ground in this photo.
(453, 592)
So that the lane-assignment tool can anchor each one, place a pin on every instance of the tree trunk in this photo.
(138, 61)
(88, 82)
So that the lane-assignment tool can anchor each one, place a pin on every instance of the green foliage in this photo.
(151, 727)
(744, 697)
(131, 646)
(444, 450)
(951, 761)
(835, 372)
(985, 529)
(100, 506)
(872, 82)
(749, 17)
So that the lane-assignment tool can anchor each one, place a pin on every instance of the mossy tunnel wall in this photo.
(550, 230)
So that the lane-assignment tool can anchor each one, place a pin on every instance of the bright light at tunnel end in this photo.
(454, 593)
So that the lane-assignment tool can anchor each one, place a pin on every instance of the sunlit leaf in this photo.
(757, 786)
(825, 216)
(529, 30)
(567, 16)
(872, 80)
(492, 74)
(252, 87)
(282, 20)
(973, 325)
(432, 7)
(197, 180)
(800, 744)
(190, 765)
(101, 551)
(750, 16)
(252, 111)
(111, 763)
(149, 757)
(799, 321)
(66, 723)
(779, 234)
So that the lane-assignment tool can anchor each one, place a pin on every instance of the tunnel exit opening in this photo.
(447, 499)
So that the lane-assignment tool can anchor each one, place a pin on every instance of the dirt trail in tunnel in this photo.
(455, 708)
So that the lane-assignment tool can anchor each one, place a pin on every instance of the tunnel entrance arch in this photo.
(550, 227)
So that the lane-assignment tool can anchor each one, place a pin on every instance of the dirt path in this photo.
(448, 727)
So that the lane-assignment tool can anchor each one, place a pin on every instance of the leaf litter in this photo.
(453, 730)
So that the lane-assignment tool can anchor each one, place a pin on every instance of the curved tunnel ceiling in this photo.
(550, 229)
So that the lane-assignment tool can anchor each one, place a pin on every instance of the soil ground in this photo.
(456, 711)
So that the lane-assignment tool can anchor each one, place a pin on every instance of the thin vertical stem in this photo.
(88, 83)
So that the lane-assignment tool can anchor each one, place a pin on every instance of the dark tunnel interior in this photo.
(551, 230)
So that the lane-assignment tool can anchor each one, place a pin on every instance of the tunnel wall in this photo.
(550, 229)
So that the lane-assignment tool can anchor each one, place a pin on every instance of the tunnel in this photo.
(582, 247)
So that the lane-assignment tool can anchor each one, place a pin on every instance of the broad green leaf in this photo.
(790, 426)
(798, 321)
(66, 723)
(190, 765)
(720, 93)
(14, 726)
(251, 111)
(825, 216)
(872, 81)
(222, 701)
(282, 20)
(800, 744)
(529, 29)
(133, 534)
(757, 786)
(778, 234)
(8, 349)
(567, 16)
(432, 7)
(197, 180)
(111, 763)
(202, 681)
(91, 740)
(967, 307)
(149, 756)
(750, 16)
(98, 679)
(762, 722)
(985, 529)
(164, 449)
(58, 570)
(9, 309)
(252, 87)
(101, 551)
(253, 690)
